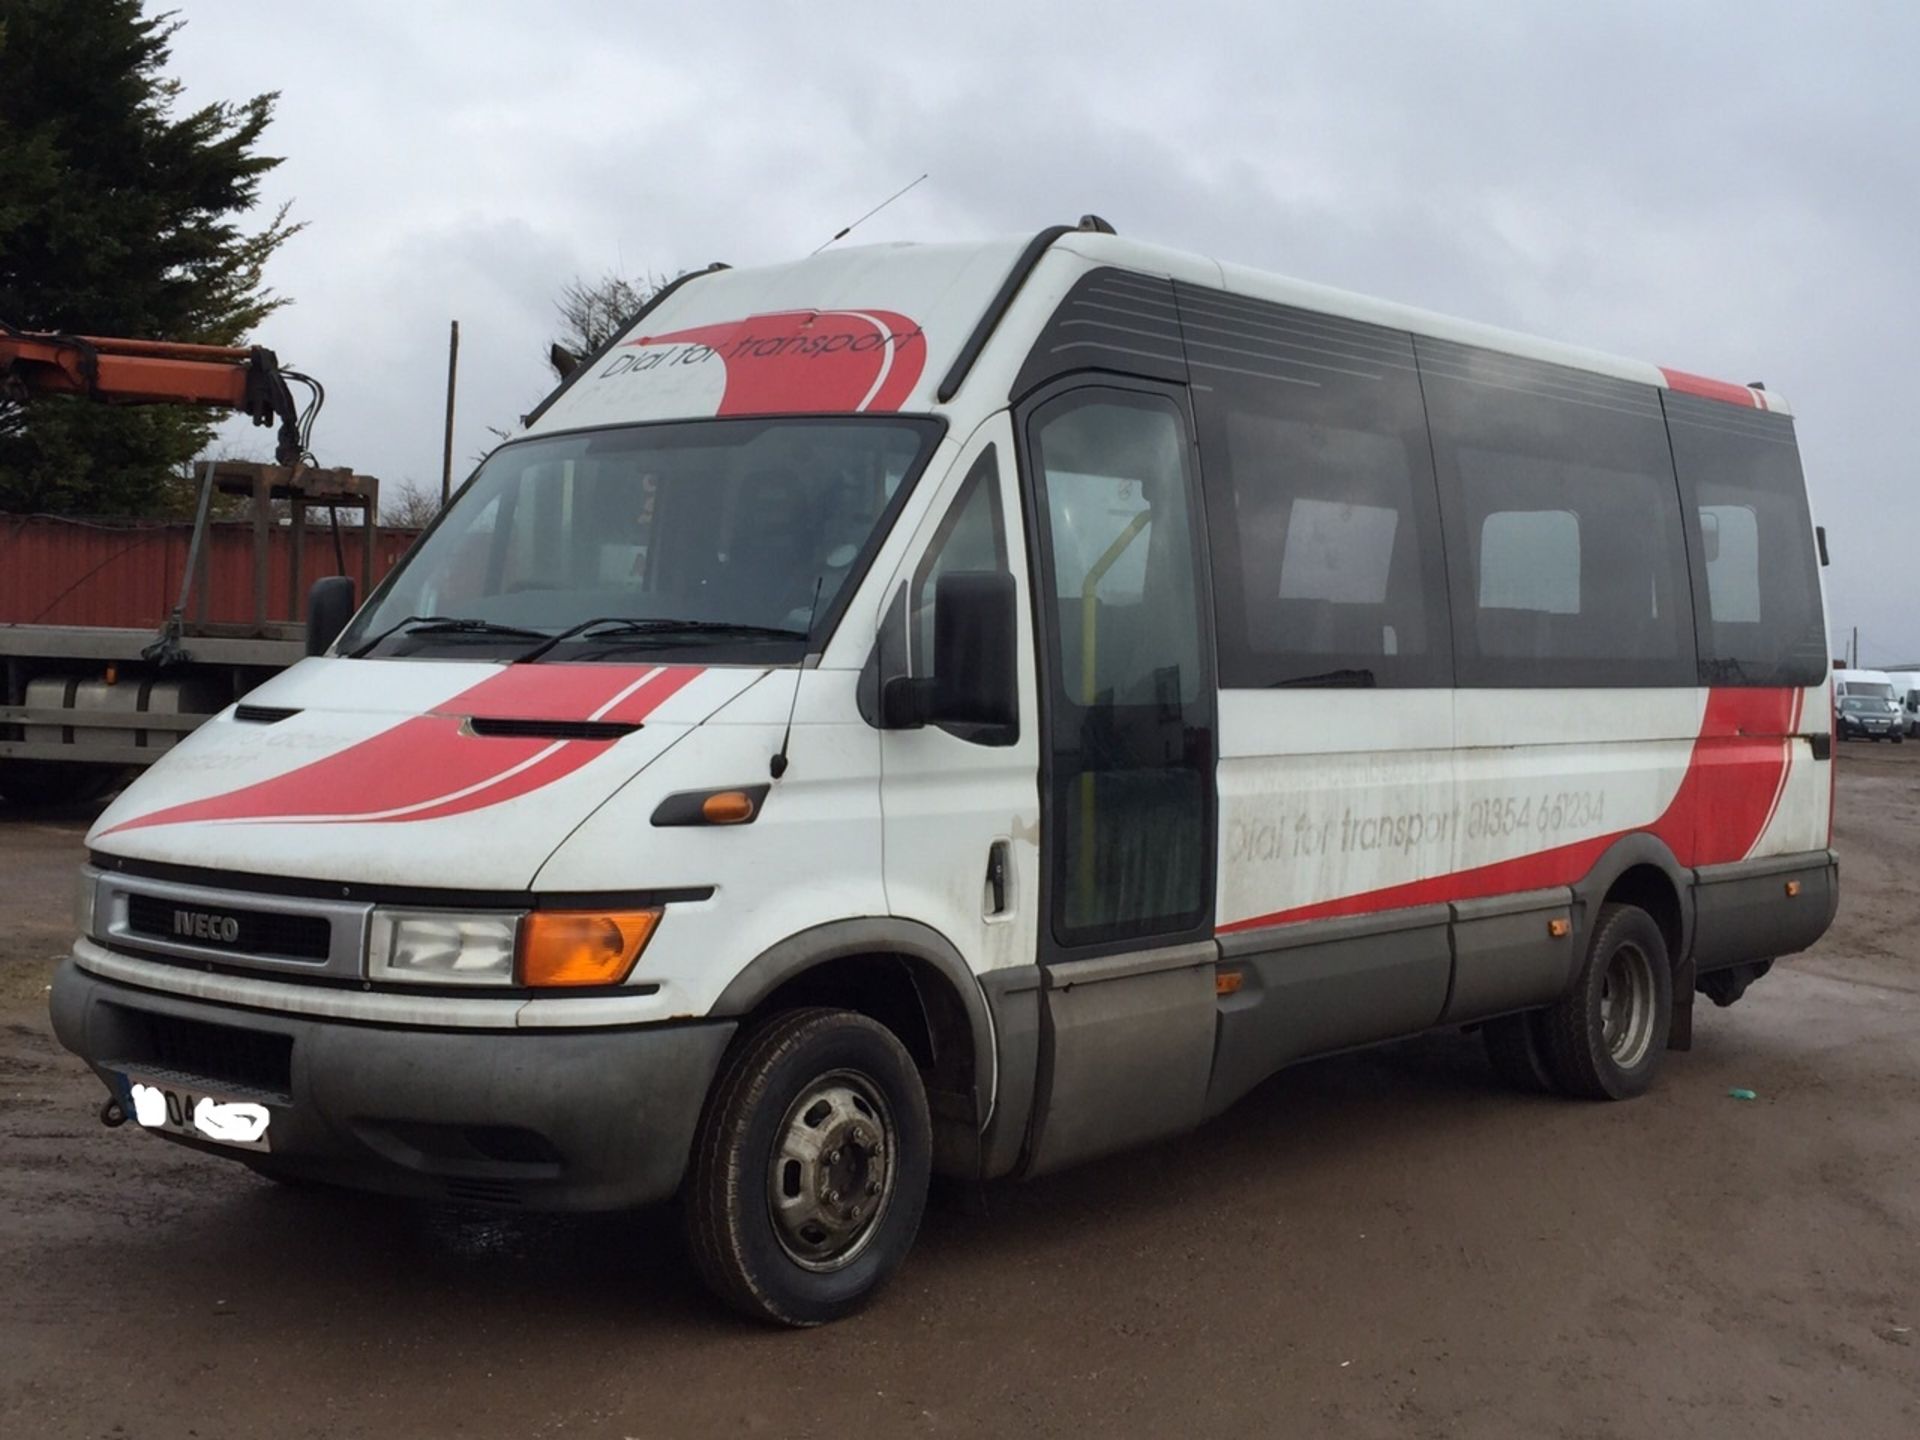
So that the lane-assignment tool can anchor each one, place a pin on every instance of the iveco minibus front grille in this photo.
(231, 929)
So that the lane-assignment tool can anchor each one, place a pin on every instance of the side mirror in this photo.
(330, 605)
(975, 677)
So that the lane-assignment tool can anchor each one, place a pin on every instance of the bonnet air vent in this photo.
(262, 714)
(550, 729)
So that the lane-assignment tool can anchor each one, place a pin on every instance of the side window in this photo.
(1730, 544)
(970, 538)
(1122, 552)
(1530, 560)
(1320, 497)
(1756, 577)
(1565, 551)
(1130, 729)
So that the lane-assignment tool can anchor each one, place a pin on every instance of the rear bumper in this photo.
(571, 1120)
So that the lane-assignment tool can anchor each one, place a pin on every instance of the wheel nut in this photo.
(873, 1187)
(833, 1157)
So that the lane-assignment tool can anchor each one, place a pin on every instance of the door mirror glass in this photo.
(974, 678)
(330, 605)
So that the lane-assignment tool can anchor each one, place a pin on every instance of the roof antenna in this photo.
(842, 233)
(777, 766)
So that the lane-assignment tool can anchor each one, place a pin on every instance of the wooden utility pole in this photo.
(446, 452)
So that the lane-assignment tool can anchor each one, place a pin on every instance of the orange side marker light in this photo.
(1559, 927)
(727, 807)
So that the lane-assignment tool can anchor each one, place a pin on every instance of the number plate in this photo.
(181, 1109)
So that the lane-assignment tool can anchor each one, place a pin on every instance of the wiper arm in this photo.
(617, 627)
(444, 625)
(1353, 678)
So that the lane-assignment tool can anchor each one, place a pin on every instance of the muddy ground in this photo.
(1384, 1244)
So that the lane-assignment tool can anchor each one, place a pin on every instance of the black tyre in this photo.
(1605, 1037)
(1517, 1048)
(810, 1169)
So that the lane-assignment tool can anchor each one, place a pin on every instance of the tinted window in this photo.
(1326, 540)
(1131, 768)
(1564, 546)
(1746, 505)
(743, 522)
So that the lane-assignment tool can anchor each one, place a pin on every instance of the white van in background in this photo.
(920, 708)
(1906, 694)
(1867, 707)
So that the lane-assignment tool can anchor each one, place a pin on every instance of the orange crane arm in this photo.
(152, 372)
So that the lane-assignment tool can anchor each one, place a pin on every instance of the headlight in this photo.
(83, 904)
(545, 948)
(441, 947)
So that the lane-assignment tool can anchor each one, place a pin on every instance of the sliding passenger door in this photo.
(1128, 751)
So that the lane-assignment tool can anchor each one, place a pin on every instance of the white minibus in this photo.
(970, 709)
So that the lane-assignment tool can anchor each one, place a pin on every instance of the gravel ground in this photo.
(1384, 1244)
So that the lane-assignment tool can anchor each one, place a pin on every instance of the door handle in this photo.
(997, 863)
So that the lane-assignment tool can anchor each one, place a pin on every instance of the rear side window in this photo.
(1757, 583)
(1320, 498)
(1563, 527)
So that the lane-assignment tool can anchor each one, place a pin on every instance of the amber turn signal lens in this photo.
(727, 807)
(1559, 927)
(1793, 888)
(569, 947)
(1227, 982)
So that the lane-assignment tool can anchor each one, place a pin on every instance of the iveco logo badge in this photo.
(203, 925)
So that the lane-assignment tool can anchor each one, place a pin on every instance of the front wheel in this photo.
(1605, 1037)
(810, 1169)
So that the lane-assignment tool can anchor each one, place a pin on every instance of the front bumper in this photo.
(592, 1119)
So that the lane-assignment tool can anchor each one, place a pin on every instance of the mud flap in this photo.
(1680, 1033)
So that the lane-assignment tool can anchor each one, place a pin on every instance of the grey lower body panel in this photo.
(574, 1120)
(1763, 909)
(1126, 1047)
(1320, 986)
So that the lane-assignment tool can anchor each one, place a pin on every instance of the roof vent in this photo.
(1095, 224)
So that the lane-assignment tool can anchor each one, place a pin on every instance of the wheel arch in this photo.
(1640, 870)
(908, 977)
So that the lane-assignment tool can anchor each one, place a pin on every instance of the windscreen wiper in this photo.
(1354, 678)
(623, 627)
(445, 625)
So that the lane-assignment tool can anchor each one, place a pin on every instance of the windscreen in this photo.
(739, 532)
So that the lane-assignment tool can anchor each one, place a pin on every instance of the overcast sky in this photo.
(1727, 188)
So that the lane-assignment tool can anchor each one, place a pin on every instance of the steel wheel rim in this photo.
(831, 1175)
(1626, 1006)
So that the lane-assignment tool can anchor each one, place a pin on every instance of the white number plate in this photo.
(180, 1110)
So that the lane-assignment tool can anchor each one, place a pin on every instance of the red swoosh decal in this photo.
(1729, 792)
(811, 361)
(427, 767)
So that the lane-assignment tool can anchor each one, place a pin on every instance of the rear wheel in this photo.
(810, 1169)
(1605, 1037)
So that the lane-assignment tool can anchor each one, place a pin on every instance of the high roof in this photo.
(875, 328)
